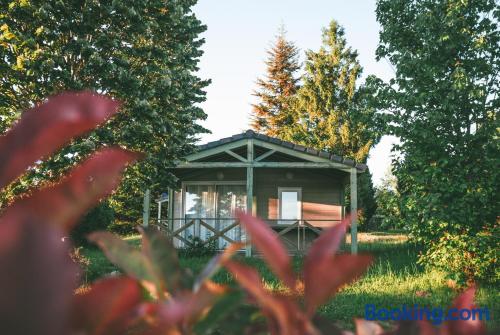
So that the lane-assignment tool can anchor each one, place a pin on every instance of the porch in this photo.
(297, 235)
(298, 191)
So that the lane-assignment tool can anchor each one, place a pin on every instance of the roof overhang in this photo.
(309, 157)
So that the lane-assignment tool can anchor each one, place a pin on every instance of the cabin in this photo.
(297, 190)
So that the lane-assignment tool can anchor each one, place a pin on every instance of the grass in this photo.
(394, 279)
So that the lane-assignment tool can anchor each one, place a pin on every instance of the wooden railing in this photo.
(296, 234)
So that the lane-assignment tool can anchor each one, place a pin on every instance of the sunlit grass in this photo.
(394, 279)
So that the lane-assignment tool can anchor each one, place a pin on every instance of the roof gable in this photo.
(288, 151)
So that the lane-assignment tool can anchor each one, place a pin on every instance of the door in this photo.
(214, 205)
(290, 204)
(199, 205)
(229, 199)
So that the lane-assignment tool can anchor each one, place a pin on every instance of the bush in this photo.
(467, 258)
(198, 249)
(123, 228)
(100, 217)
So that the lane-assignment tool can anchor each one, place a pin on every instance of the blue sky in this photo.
(238, 35)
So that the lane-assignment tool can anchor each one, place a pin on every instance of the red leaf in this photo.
(128, 258)
(216, 262)
(324, 278)
(183, 310)
(47, 127)
(108, 308)
(37, 279)
(285, 316)
(64, 203)
(463, 327)
(364, 327)
(269, 244)
(327, 243)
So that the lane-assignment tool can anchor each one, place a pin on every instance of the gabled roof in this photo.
(250, 134)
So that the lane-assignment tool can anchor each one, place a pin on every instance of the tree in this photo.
(332, 113)
(331, 109)
(141, 52)
(444, 104)
(366, 204)
(388, 202)
(276, 91)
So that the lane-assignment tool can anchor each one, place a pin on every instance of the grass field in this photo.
(395, 279)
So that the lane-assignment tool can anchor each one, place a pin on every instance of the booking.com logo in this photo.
(436, 315)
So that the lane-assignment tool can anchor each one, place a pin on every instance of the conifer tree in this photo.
(272, 114)
(333, 113)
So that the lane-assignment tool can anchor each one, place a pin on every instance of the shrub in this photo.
(467, 258)
(81, 262)
(100, 217)
(123, 228)
(199, 249)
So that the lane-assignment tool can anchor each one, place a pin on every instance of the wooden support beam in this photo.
(265, 155)
(170, 212)
(304, 165)
(235, 155)
(216, 150)
(146, 208)
(250, 157)
(354, 211)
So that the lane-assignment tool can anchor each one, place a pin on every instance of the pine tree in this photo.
(333, 113)
(276, 91)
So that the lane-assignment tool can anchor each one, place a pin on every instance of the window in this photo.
(290, 204)
(214, 204)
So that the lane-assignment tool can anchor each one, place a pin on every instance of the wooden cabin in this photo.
(297, 190)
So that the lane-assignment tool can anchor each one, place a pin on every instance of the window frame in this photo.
(299, 203)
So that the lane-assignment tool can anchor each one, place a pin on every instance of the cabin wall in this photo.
(321, 193)
(322, 190)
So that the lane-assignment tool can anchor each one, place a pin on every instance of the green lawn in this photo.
(395, 279)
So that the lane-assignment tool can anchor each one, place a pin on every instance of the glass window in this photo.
(290, 205)
(214, 206)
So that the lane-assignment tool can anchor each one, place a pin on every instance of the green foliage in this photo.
(273, 113)
(198, 248)
(99, 218)
(443, 105)
(333, 113)
(467, 256)
(366, 201)
(388, 203)
(329, 112)
(366, 196)
(144, 53)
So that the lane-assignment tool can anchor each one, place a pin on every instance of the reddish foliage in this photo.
(268, 242)
(462, 327)
(108, 308)
(47, 127)
(37, 279)
(62, 204)
(37, 276)
(324, 273)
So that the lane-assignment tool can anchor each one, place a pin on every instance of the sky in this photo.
(240, 31)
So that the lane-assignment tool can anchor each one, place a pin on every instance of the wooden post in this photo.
(145, 208)
(170, 211)
(354, 211)
(248, 251)
(159, 212)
